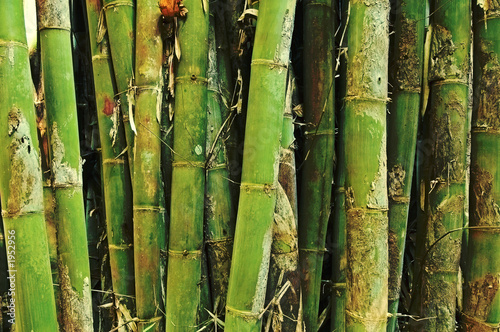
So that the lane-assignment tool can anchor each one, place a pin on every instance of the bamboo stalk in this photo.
(445, 172)
(149, 222)
(115, 173)
(283, 285)
(48, 193)
(66, 172)
(339, 233)
(402, 135)
(339, 258)
(21, 182)
(253, 237)
(365, 164)
(219, 220)
(317, 168)
(186, 298)
(120, 27)
(481, 310)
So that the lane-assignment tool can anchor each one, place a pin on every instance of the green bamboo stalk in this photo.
(120, 24)
(21, 182)
(339, 259)
(253, 237)
(365, 164)
(445, 172)
(317, 168)
(283, 285)
(219, 220)
(339, 233)
(149, 222)
(115, 173)
(402, 124)
(481, 310)
(48, 193)
(66, 177)
(186, 303)
(223, 32)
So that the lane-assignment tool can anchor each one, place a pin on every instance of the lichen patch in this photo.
(76, 315)
(486, 211)
(488, 96)
(408, 71)
(480, 294)
(397, 177)
(53, 14)
(25, 184)
(442, 61)
(63, 174)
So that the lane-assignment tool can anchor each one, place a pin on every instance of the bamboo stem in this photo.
(21, 181)
(186, 284)
(481, 309)
(445, 169)
(253, 236)
(365, 164)
(75, 299)
(115, 173)
(402, 135)
(317, 168)
(148, 198)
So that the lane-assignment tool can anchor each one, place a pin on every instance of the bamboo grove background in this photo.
(272, 165)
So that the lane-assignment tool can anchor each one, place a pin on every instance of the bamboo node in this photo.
(316, 3)
(359, 318)
(271, 63)
(192, 164)
(400, 199)
(193, 79)
(11, 43)
(117, 3)
(473, 324)
(217, 167)
(367, 98)
(184, 253)
(339, 285)
(242, 313)
(114, 161)
(451, 81)
(267, 188)
(158, 209)
(319, 133)
(319, 251)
